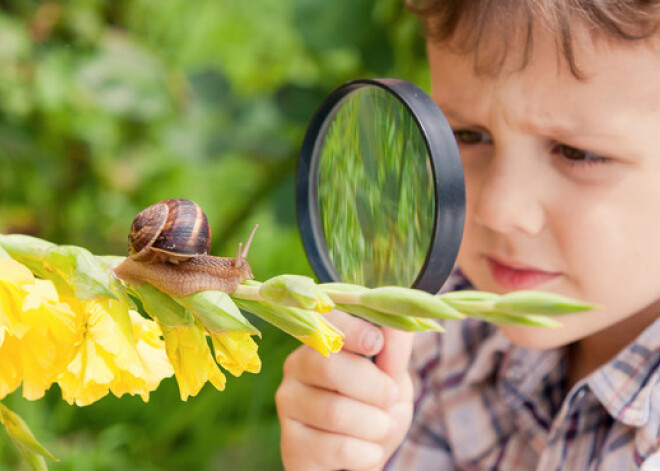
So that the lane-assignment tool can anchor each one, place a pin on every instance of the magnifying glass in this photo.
(380, 193)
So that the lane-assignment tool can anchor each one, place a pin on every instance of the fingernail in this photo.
(369, 340)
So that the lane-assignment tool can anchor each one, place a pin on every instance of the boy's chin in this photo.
(539, 338)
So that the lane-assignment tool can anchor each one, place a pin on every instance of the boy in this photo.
(555, 106)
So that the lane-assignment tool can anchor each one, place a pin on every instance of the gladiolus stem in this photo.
(249, 292)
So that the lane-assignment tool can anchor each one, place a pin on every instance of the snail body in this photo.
(168, 248)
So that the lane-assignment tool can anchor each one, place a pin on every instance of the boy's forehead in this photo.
(619, 86)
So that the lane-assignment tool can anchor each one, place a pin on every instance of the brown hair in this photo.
(468, 24)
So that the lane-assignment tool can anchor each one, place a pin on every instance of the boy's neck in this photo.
(590, 353)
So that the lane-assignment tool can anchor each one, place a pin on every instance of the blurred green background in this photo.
(107, 106)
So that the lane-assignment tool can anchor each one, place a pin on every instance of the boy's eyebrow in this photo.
(450, 115)
(555, 129)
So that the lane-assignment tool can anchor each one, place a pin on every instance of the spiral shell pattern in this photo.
(171, 230)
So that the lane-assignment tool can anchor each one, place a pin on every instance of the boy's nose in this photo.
(508, 197)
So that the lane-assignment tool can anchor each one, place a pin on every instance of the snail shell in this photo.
(168, 245)
(172, 230)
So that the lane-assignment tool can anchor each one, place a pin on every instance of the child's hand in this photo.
(345, 412)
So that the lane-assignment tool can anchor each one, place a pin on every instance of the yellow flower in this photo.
(325, 339)
(236, 352)
(191, 358)
(151, 349)
(37, 331)
(10, 374)
(120, 353)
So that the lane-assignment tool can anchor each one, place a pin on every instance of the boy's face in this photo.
(563, 179)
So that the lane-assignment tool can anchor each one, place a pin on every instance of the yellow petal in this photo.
(39, 361)
(146, 330)
(236, 352)
(13, 276)
(86, 379)
(156, 363)
(109, 325)
(97, 368)
(41, 334)
(325, 340)
(10, 374)
(191, 359)
(151, 350)
(13, 272)
(38, 293)
(11, 299)
(74, 392)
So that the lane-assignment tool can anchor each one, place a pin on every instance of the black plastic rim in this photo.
(447, 174)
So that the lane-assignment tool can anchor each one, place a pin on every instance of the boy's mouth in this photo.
(514, 276)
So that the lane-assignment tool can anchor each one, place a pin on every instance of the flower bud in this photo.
(408, 302)
(296, 291)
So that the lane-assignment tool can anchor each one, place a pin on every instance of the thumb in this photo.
(394, 357)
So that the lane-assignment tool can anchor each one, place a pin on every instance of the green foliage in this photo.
(108, 106)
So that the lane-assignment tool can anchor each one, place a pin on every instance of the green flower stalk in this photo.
(113, 336)
(33, 452)
(291, 303)
(539, 302)
(528, 320)
(408, 302)
(469, 301)
(405, 323)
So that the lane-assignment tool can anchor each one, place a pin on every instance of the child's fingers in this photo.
(360, 336)
(346, 373)
(394, 357)
(332, 412)
(308, 449)
(342, 411)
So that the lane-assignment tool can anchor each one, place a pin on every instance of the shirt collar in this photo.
(625, 384)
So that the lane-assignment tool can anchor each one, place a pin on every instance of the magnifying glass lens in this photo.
(376, 190)
(380, 194)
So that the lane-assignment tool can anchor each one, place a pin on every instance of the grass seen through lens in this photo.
(376, 192)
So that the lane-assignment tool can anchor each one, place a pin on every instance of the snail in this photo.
(168, 247)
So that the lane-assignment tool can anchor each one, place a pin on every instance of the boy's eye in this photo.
(576, 155)
(464, 136)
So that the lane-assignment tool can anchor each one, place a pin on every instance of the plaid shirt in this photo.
(483, 403)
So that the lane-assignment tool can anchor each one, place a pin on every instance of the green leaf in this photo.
(216, 311)
(161, 306)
